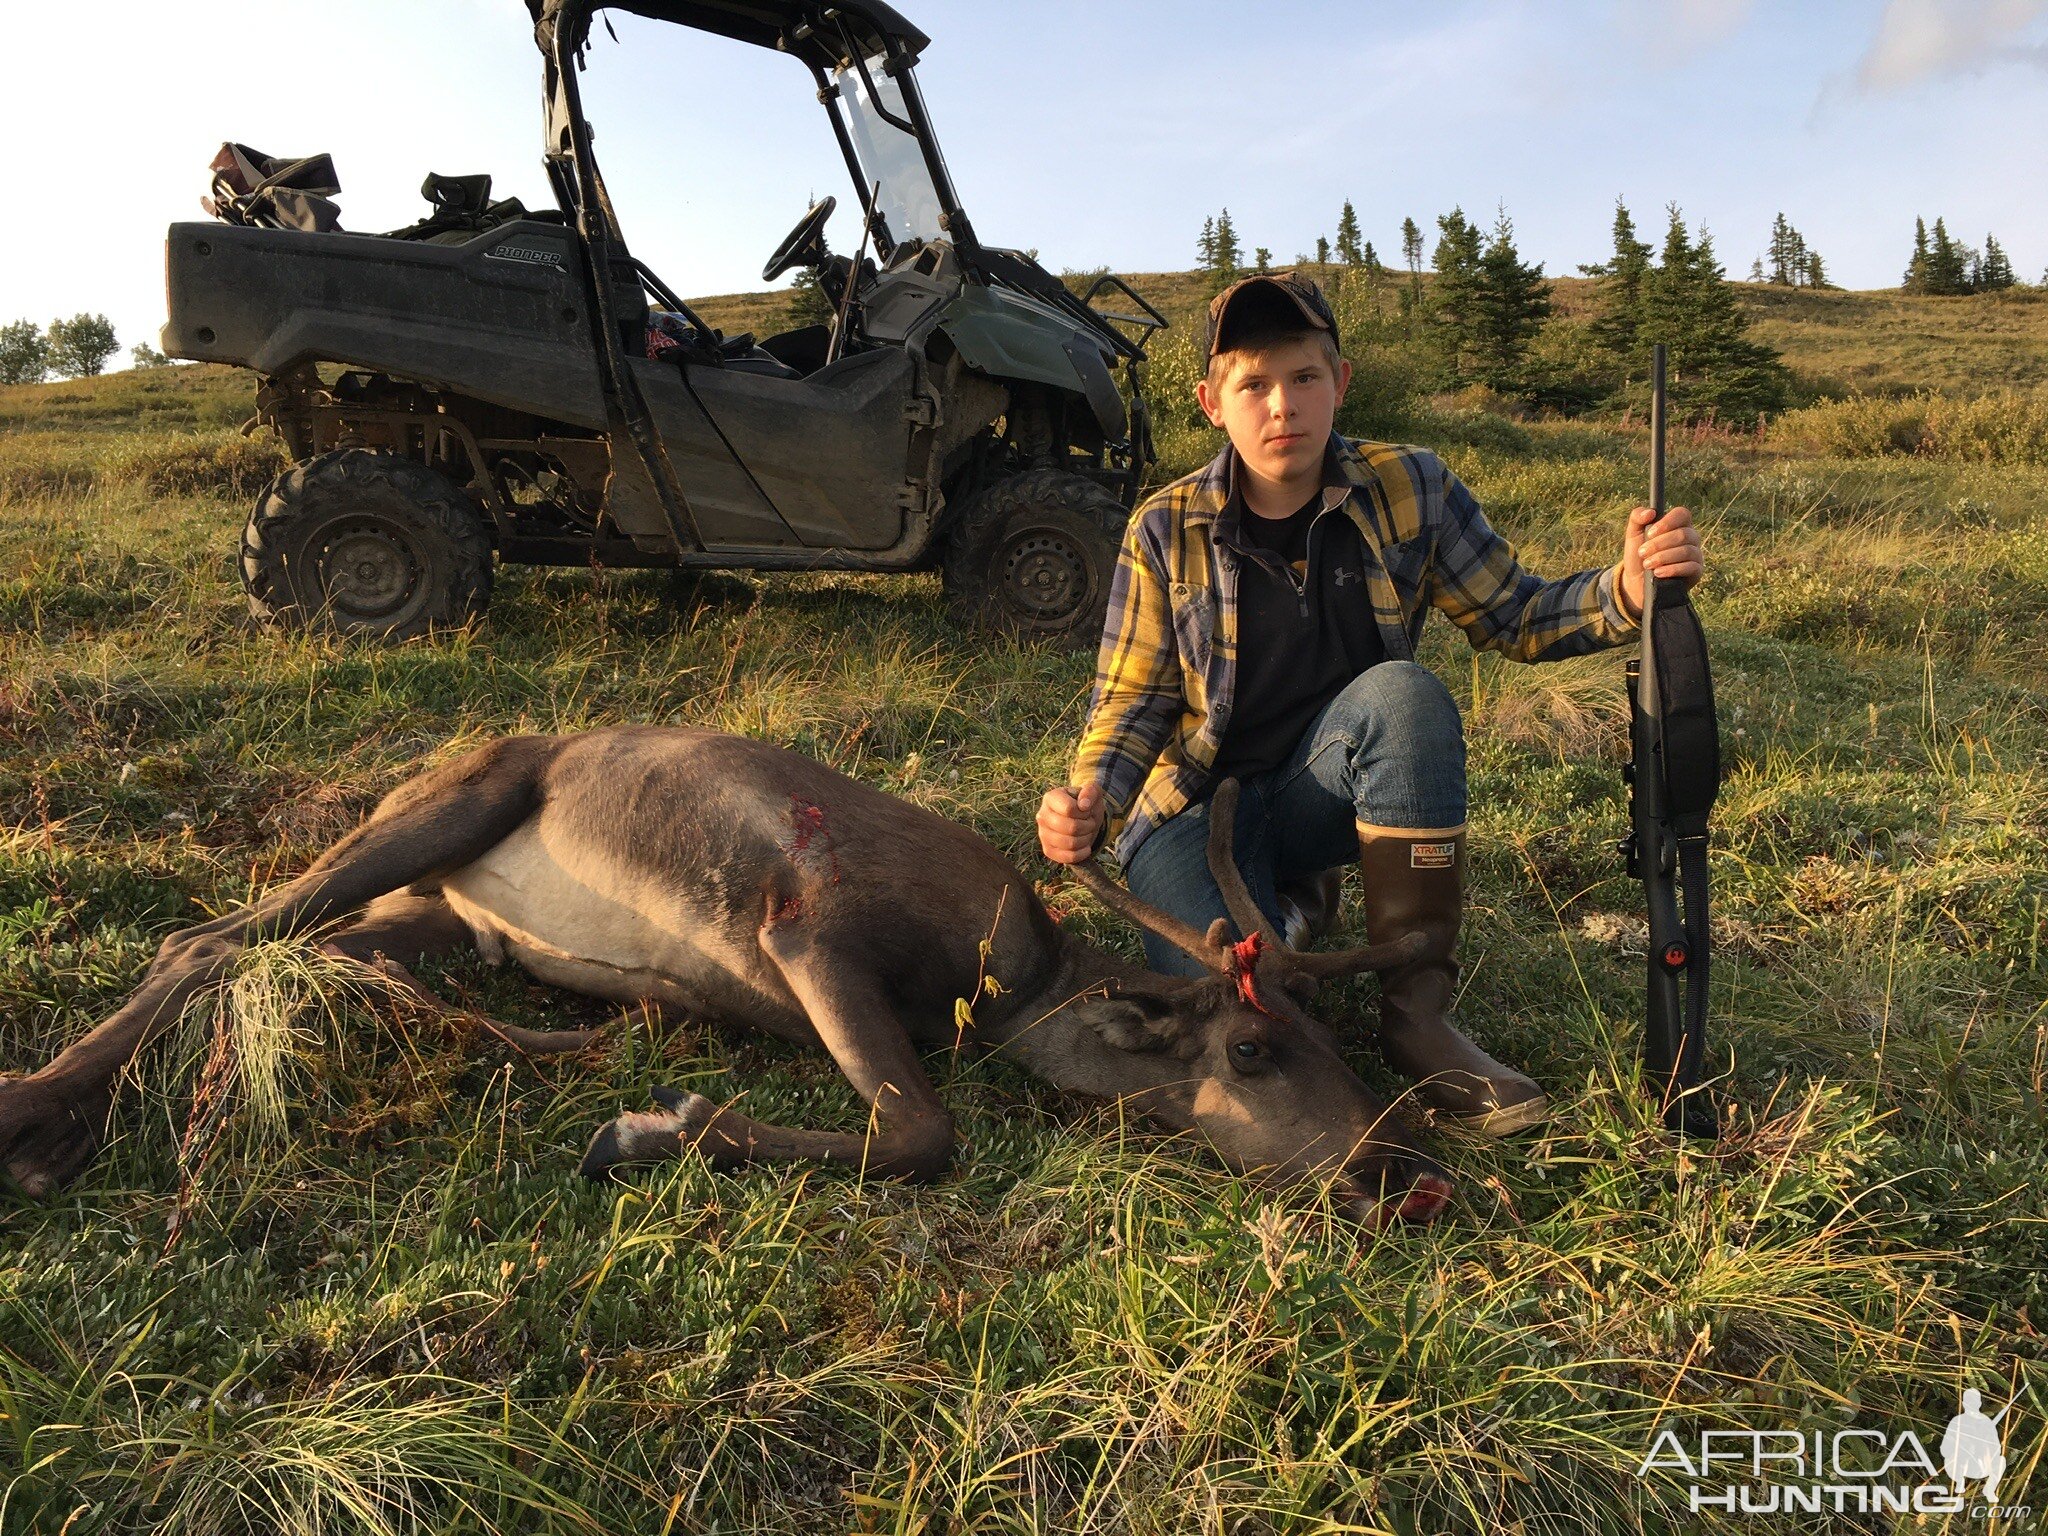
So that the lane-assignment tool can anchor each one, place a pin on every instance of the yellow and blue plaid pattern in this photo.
(1168, 663)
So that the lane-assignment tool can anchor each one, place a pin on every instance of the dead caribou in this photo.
(687, 870)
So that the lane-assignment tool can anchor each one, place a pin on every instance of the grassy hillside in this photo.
(394, 1307)
(1835, 342)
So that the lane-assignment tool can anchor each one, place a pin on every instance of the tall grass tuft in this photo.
(204, 464)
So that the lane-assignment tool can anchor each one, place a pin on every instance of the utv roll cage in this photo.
(824, 38)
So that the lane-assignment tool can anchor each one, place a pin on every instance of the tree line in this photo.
(77, 348)
(1794, 263)
(1486, 316)
(1942, 264)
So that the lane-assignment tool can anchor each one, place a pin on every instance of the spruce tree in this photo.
(1784, 252)
(1454, 300)
(1995, 271)
(1348, 250)
(1262, 260)
(1510, 302)
(1816, 273)
(1665, 312)
(1322, 250)
(1690, 307)
(1918, 267)
(1791, 257)
(808, 302)
(1205, 247)
(1948, 262)
(1229, 254)
(1756, 270)
(1371, 260)
(1621, 292)
(1411, 255)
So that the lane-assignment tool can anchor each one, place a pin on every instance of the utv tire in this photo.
(1032, 556)
(362, 542)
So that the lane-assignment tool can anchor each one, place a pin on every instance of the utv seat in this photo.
(739, 354)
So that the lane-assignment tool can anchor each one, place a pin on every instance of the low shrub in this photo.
(2005, 427)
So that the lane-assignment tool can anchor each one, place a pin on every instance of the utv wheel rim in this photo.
(1045, 577)
(369, 573)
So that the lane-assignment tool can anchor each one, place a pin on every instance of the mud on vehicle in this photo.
(501, 385)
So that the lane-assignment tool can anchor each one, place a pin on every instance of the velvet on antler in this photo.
(1237, 900)
(1237, 896)
(1119, 899)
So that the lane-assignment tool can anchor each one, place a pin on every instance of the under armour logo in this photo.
(1344, 576)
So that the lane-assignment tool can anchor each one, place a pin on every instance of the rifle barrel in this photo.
(1657, 428)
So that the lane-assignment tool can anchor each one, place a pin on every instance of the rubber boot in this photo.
(1412, 879)
(1308, 906)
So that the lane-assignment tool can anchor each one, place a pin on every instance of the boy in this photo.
(1262, 625)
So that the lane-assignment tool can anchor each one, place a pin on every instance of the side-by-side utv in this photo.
(498, 385)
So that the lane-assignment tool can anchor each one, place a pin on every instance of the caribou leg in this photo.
(52, 1122)
(420, 926)
(910, 1132)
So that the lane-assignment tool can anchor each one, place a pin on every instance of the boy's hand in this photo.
(1068, 822)
(1671, 546)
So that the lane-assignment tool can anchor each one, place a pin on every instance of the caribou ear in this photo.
(1133, 1021)
(1218, 936)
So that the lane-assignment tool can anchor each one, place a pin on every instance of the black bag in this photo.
(266, 192)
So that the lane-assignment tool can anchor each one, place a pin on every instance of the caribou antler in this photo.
(1119, 899)
(1330, 964)
(1237, 899)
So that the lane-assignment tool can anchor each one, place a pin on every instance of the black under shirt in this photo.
(1305, 628)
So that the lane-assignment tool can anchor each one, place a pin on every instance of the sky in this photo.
(1096, 133)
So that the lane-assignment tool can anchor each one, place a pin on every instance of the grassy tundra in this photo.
(392, 1307)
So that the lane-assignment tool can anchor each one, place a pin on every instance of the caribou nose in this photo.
(1425, 1198)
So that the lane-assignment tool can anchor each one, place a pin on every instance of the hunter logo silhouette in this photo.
(1970, 1446)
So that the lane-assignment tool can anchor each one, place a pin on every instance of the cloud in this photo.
(1700, 22)
(1673, 31)
(1925, 39)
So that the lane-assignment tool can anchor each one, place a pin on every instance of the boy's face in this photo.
(1278, 407)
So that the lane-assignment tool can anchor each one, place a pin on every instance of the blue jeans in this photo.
(1388, 751)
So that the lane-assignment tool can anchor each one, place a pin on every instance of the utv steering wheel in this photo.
(796, 248)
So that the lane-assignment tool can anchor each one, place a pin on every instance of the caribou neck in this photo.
(1045, 1033)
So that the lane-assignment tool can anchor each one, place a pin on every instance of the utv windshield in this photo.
(888, 151)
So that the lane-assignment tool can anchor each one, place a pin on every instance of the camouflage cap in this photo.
(1266, 291)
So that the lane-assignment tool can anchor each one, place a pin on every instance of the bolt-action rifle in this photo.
(1673, 775)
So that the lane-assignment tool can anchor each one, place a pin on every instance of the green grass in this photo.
(393, 1307)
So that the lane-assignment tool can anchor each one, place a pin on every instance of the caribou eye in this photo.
(1247, 1054)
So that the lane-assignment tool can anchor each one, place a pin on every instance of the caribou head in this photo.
(1236, 1058)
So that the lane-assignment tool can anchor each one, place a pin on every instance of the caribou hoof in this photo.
(650, 1135)
(47, 1135)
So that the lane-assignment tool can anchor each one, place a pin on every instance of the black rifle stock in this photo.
(1673, 774)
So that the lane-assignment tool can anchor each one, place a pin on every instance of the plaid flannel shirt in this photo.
(1165, 675)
